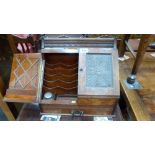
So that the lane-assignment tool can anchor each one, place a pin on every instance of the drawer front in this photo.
(85, 110)
(98, 101)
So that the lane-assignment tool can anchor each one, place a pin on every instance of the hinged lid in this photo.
(26, 78)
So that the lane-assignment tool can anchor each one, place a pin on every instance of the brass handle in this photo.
(77, 113)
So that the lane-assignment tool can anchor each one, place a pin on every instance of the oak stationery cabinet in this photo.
(68, 76)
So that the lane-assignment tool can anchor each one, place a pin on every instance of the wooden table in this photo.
(141, 103)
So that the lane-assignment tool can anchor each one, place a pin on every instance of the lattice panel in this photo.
(99, 70)
(25, 73)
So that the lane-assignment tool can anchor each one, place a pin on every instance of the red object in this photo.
(19, 47)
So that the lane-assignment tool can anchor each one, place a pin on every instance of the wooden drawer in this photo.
(67, 110)
(97, 101)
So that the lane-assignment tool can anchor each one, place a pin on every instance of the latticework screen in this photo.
(99, 70)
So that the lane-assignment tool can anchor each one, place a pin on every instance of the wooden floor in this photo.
(141, 102)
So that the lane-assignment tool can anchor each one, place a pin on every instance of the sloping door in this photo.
(98, 72)
(26, 78)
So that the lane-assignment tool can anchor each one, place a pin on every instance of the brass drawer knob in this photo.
(77, 113)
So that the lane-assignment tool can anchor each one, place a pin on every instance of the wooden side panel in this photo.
(25, 81)
(98, 101)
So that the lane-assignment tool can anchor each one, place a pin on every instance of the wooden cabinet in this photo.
(81, 74)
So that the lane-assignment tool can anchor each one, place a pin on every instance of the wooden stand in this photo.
(144, 43)
(6, 110)
(140, 105)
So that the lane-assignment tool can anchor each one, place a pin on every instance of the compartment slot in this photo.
(60, 83)
(60, 64)
(60, 70)
(61, 74)
(61, 91)
(62, 77)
